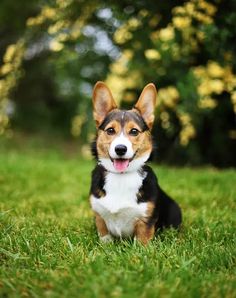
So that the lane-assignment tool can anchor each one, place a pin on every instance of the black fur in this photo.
(166, 212)
(98, 180)
(122, 116)
(93, 148)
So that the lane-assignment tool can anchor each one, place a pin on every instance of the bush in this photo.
(187, 50)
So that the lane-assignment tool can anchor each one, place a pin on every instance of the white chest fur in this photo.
(119, 207)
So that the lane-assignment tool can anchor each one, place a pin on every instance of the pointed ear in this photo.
(103, 102)
(146, 104)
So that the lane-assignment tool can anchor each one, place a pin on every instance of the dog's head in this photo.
(124, 141)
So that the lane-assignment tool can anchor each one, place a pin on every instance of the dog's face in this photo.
(124, 140)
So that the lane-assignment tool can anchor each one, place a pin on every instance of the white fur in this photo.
(119, 207)
(134, 165)
(106, 239)
(121, 140)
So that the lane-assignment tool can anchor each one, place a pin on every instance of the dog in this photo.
(125, 195)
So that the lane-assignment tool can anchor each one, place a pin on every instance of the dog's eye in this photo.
(110, 131)
(133, 132)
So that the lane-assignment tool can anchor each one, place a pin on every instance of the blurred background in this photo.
(52, 52)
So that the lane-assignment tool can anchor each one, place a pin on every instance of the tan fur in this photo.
(142, 143)
(101, 225)
(104, 140)
(143, 232)
(146, 104)
(150, 208)
(103, 102)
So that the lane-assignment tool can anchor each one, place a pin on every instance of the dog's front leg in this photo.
(103, 232)
(143, 232)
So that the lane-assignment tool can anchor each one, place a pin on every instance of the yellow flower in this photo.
(178, 10)
(184, 118)
(190, 8)
(164, 116)
(118, 67)
(35, 21)
(181, 22)
(143, 13)
(207, 103)
(204, 88)
(209, 8)
(200, 35)
(56, 46)
(10, 52)
(154, 35)
(128, 54)
(215, 70)
(233, 97)
(229, 79)
(152, 54)
(165, 120)
(133, 23)
(48, 12)
(56, 27)
(77, 123)
(6, 68)
(118, 84)
(165, 124)
(201, 17)
(169, 96)
(173, 92)
(188, 132)
(122, 35)
(63, 3)
(216, 86)
(167, 33)
(199, 71)
(62, 37)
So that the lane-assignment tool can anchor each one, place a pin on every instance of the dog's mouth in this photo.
(121, 164)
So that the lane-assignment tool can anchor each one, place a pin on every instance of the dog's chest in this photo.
(119, 207)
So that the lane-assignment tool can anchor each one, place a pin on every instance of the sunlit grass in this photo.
(49, 245)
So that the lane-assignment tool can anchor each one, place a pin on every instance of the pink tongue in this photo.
(121, 164)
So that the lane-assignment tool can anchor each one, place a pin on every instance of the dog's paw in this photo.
(106, 239)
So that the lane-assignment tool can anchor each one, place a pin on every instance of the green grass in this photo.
(49, 246)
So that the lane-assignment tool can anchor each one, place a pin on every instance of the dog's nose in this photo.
(120, 150)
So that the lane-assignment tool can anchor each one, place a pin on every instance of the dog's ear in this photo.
(103, 102)
(146, 104)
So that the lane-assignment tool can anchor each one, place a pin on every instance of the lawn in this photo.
(49, 246)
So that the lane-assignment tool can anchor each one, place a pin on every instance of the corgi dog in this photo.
(125, 195)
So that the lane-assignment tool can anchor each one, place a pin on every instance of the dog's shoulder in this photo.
(98, 181)
(149, 188)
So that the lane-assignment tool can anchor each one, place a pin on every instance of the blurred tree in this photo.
(186, 48)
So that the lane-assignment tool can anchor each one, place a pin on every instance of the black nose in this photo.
(120, 150)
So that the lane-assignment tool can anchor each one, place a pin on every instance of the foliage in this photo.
(49, 246)
(187, 50)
